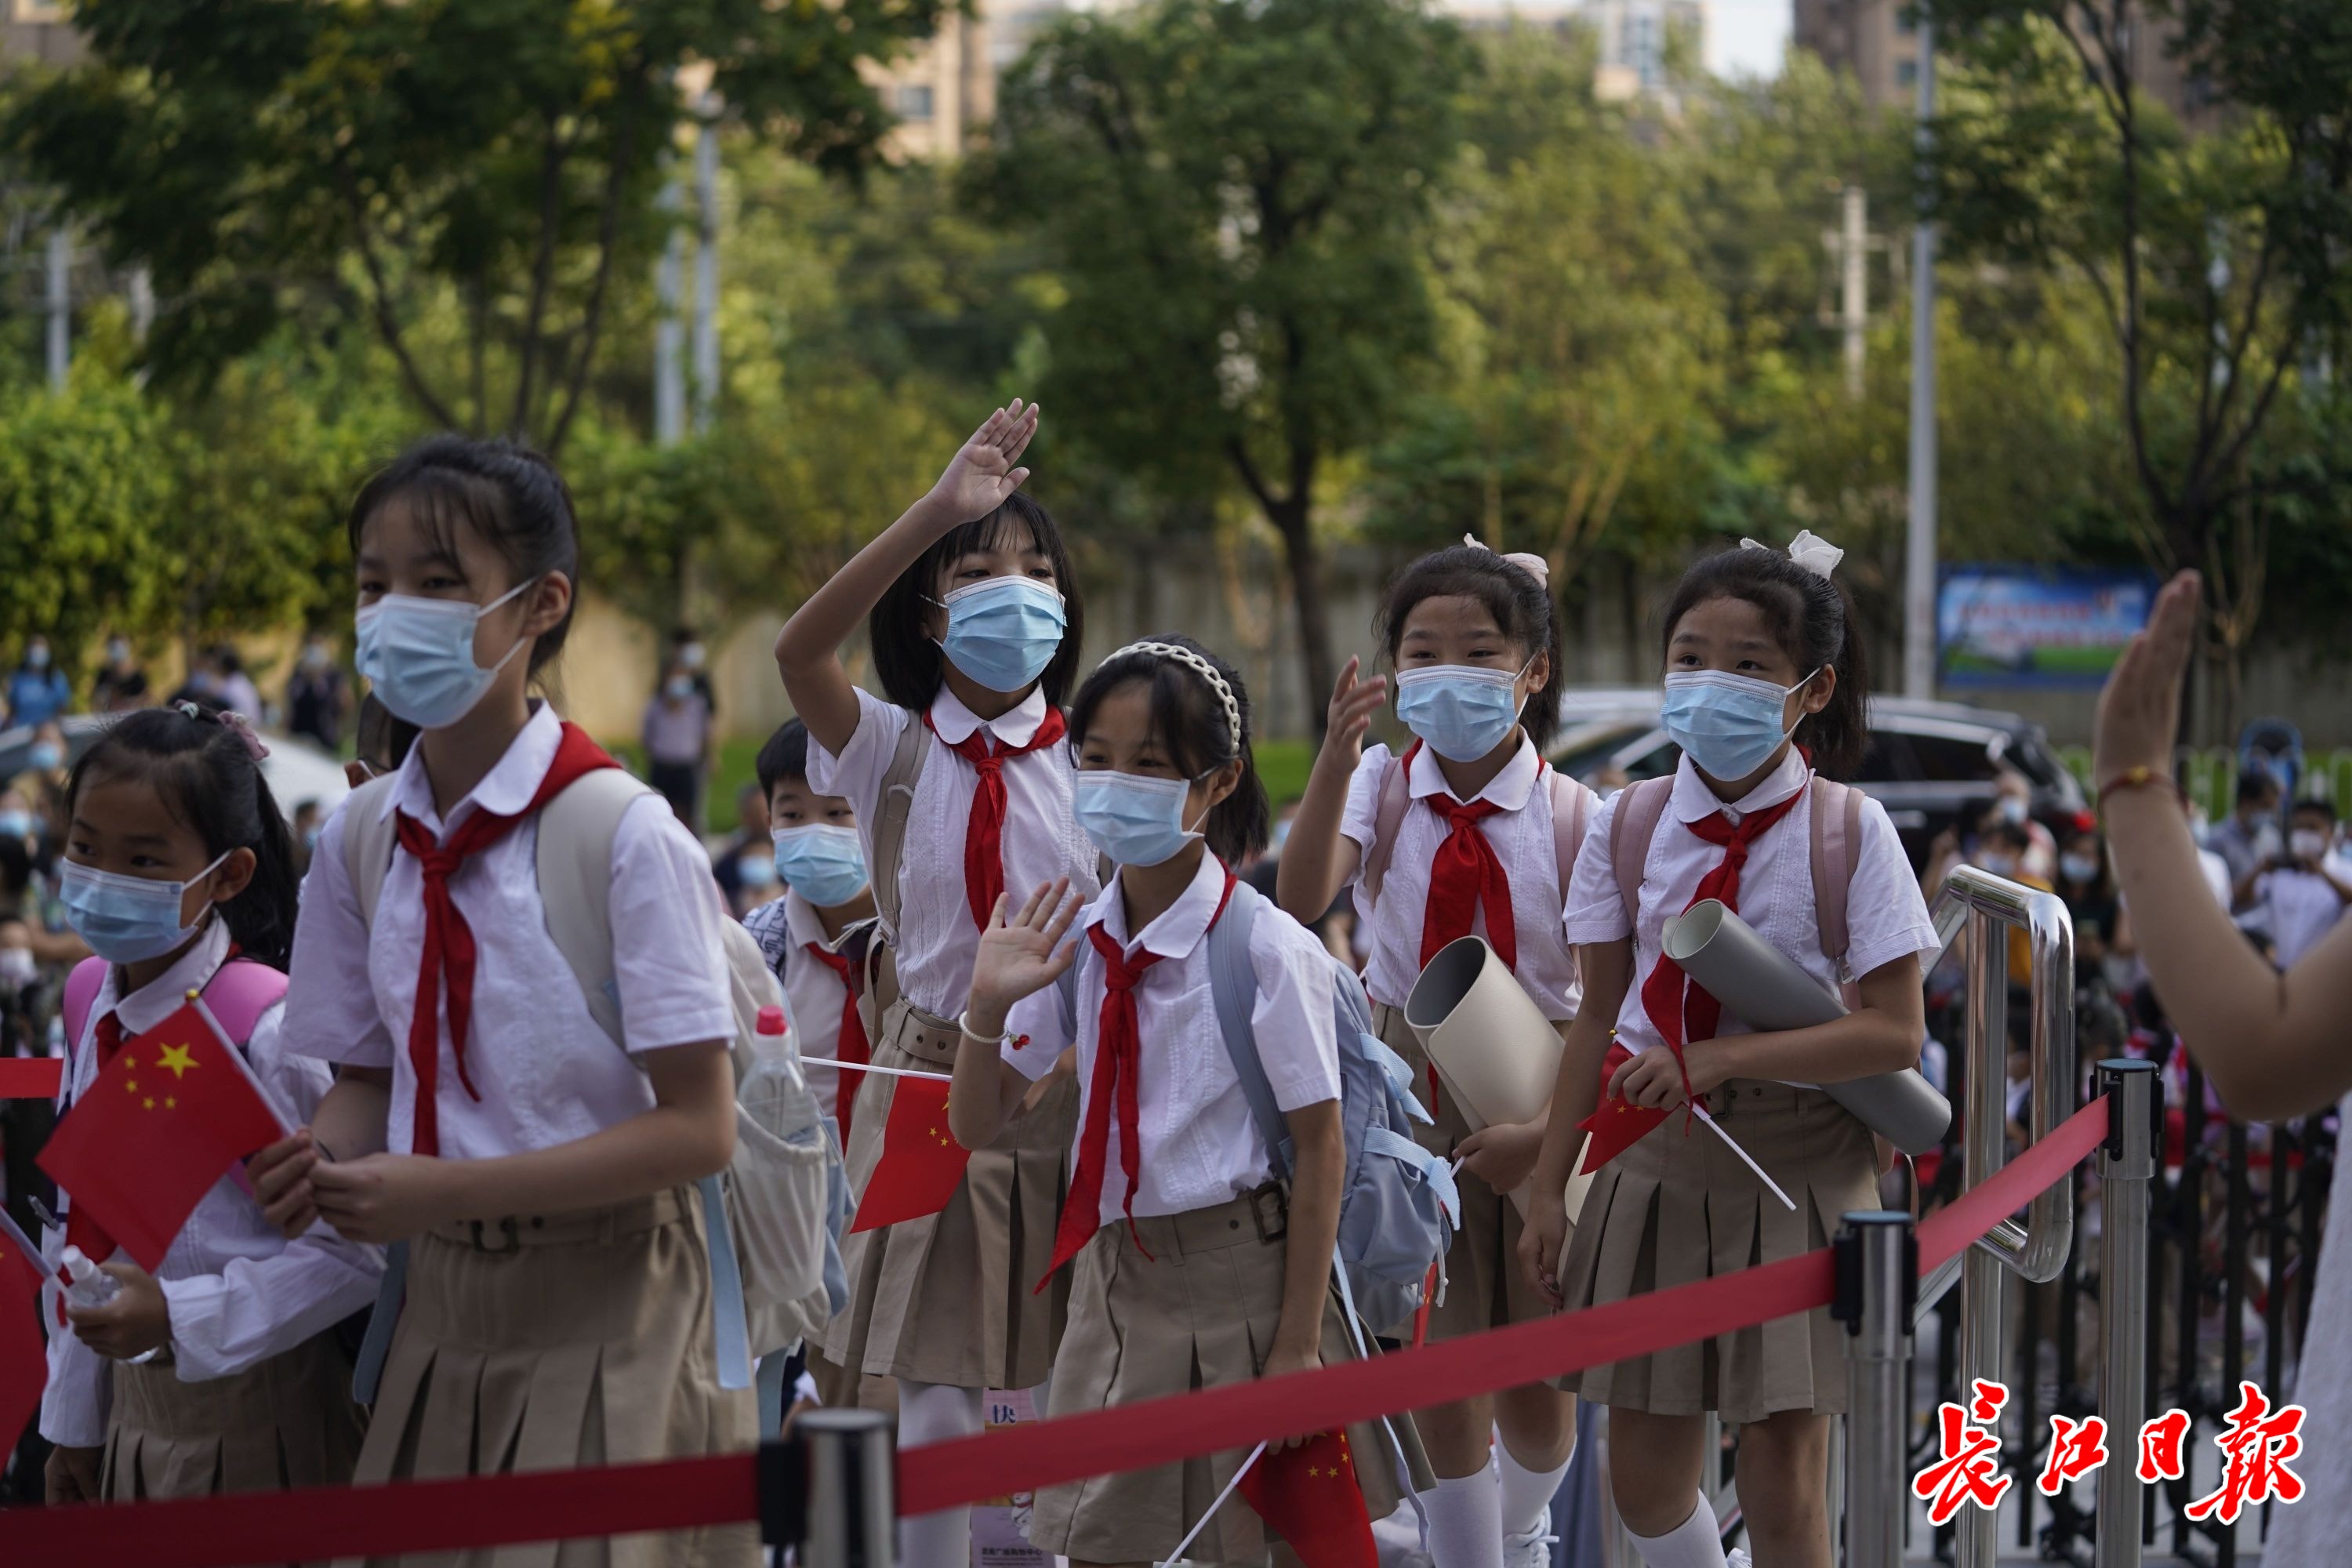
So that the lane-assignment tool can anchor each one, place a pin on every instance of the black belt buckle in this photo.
(1270, 1197)
(514, 1233)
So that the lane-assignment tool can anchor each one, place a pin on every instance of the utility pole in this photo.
(1919, 564)
(60, 348)
(706, 269)
(670, 333)
(1853, 276)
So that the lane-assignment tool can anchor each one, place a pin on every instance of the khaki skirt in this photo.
(1484, 1286)
(553, 1342)
(1201, 1312)
(951, 1298)
(288, 1422)
(1673, 1209)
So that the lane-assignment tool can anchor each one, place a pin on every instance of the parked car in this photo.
(1930, 765)
(297, 770)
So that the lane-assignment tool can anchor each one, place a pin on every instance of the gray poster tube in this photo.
(1766, 990)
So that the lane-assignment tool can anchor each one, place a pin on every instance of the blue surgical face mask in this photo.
(1461, 710)
(2079, 868)
(126, 920)
(821, 863)
(15, 824)
(1730, 725)
(418, 655)
(1003, 633)
(1134, 819)
(45, 756)
(757, 872)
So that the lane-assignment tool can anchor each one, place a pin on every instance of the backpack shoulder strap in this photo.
(575, 856)
(82, 986)
(1630, 830)
(1388, 818)
(240, 993)
(890, 813)
(370, 835)
(1836, 838)
(1233, 981)
(1571, 811)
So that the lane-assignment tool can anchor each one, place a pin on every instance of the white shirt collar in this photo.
(1694, 802)
(1017, 726)
(1508, 789)
(802, 923)
(506, 790)
(163, 997)
(1180, 926)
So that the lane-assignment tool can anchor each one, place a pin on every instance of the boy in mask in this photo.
(2302, 891)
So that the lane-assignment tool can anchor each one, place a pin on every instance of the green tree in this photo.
(1238, 200)
(79, 494)
(466, 178)
(2217, 258)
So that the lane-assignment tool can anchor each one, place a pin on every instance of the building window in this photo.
(1907, 73)
(914, 101)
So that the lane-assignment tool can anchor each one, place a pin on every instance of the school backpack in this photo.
(1572, 805)
(238, 993)
(1398, 1207)
(775, 1264)
(1837, 830)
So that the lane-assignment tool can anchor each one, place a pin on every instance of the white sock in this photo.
(1695, 1543)
(1466, 1521)
(1525, 1492)
(1398, 1536)
(931, 1412)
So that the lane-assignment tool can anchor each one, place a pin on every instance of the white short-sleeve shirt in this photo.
(814, 992)
(935, 940)
(1886, 918)
(1200, 1146)
(2298, 908)
(239, 1292)
(1522, 835)
(546, 1073)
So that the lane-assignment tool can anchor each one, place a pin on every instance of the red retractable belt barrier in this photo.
(677, 1494)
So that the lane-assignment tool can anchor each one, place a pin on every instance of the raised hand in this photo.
(1353, 703)
(984, 474)
(1021, 952)
(2139, 711)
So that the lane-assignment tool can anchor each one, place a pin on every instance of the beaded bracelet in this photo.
(2141, 776)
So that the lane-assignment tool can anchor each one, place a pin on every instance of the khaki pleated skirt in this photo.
(1200, 1313)
(1484, 1286)
(948, 1298)
(550, 1342)
(288, 1422)
(1673, 1209)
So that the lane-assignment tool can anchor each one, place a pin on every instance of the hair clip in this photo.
(1207, 671)
(1535, 567)
(1808, 550)
(242, 726)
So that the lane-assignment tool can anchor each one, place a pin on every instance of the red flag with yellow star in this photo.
(1308, 1496)
(1616, 1124)
(921, 1162)
(168, 1117)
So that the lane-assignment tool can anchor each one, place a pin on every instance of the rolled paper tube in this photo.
(1766, 990)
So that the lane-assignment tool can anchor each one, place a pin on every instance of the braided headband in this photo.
(237, 723)
(1207, 671)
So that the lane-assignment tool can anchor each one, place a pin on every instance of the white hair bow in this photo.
(1808, 550)
(1535, 567)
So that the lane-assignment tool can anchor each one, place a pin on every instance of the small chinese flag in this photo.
(30, 1077)
(1308, 1496)
(167, 1118)
(1619, 1123)
(23, 1356)
(921, 1162)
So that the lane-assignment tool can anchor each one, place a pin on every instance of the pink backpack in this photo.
(238, 993)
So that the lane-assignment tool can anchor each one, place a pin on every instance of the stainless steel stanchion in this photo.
(1877, 1281)
(2126, 1169)
(852, 1511)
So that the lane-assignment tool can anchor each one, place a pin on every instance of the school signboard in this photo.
(2030, 626)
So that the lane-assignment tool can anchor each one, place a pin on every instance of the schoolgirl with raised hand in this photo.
(960, 782)
(1765, 684)
(1469, 831)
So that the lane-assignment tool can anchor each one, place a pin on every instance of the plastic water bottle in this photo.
(93, 1287)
